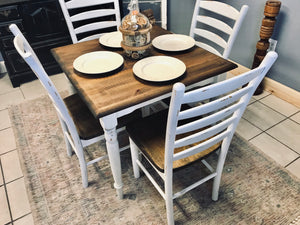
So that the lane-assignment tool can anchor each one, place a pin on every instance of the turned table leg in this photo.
(109, 124)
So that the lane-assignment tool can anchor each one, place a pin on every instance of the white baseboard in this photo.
(279, 90)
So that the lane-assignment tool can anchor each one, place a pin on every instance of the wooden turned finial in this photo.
(272, 8)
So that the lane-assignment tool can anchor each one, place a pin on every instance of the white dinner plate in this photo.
(173, 42)
(98, 62)
(159, 68)
(112, 40)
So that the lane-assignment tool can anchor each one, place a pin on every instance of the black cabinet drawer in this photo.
(6, 37)
(4, 30)
(18, 65)
(43, 20)
(9, 13)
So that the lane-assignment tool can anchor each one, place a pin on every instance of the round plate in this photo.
(159, 68)
(99, 62)
(112, 40)
(173, 42)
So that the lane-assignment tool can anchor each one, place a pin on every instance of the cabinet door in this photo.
(43, 20)
(18, 65)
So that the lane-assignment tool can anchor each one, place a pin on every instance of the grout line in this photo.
(282, 143)
(15, 179)
(292, 162)
(276, 110)
(7, 152)
(12, 222)
(5, 189)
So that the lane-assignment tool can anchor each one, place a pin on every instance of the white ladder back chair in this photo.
(173, 139)
(80, 127)
(91, 16)
(221, 18)
(164, 14)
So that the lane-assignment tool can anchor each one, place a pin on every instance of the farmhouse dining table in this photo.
(113, 96)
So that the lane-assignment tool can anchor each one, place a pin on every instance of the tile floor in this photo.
(269, 123)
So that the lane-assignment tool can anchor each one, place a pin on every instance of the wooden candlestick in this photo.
(272, 8)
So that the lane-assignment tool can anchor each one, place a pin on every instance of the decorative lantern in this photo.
(135, 28)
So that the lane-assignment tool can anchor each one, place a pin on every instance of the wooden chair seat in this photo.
(151, 133)
(87, 125)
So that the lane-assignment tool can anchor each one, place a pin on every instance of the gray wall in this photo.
(286, 70)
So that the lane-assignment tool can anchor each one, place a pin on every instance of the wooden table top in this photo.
(106, 95)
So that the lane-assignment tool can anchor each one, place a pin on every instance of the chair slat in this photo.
(73, 4)
(218, 24)
(220, 8)
(203, 135)
(211, 37)
(92, 14)
(218, 89)
(208, 120)
(201, 147)
(95, 26)
(213, 105)
(208, 48)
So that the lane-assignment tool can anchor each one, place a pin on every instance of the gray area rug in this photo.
(254, 189)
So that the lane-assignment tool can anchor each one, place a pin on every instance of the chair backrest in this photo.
(215, 26)
(89, 19)
(217, 119)
(27, 53)
(164, 14)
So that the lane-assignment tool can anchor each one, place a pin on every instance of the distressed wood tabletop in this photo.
(108, 94)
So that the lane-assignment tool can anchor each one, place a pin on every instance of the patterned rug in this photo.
(254, 189)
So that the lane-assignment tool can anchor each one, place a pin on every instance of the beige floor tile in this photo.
(262, 95)
(287, 132)
(33, 89)
(279, 105)
(11, 166)
(4, 119)
(7, 140)
(296, 117)
(294, 168)
(274, 149)
(13, 97)
(252, 100)
(1, 179)
(5, 84)
(262, 116)
(61, 82)
(18, 199)
(26, 220)
(247, 130)
(4, 210)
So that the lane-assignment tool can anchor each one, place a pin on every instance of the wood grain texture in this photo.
(106, 95)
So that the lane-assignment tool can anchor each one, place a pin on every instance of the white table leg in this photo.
(109, 124)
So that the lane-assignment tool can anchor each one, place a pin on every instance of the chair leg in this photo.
(217, 179)
(134, 157)
(69, 147)
(169, 199)
(65, 131)
(83, 165)
(84, 175)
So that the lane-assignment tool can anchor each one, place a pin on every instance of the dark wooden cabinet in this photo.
(43, 25)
